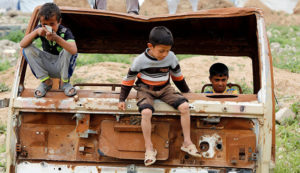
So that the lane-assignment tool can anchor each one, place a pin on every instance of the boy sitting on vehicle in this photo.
(59, 51)
(153, 69)
(218, 76)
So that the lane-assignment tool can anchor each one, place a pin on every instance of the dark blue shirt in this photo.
(51, 46)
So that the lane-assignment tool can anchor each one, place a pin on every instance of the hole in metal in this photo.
(204, 146)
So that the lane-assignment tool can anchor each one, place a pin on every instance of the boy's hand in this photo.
(121, 105)
(51, 36)
(41, 31)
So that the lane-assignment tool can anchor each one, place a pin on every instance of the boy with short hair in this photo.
(153, 69)
(59, 51)
(218, 76)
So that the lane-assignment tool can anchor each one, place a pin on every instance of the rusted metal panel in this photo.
(130, 144)
(265, 95)
(103, 103)
(50, 136)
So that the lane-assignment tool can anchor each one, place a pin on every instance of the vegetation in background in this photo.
(85, 59)
(2, 147)
(15, 36)
(3, 88)
(285, 47)
(4, 65)
(288, 143)
(245, 88)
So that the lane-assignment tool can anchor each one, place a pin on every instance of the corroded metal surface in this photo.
(50, 136)
(200, 104)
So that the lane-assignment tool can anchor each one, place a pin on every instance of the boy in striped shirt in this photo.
(153, 68)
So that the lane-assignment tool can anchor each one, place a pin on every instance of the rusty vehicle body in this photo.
(87, 133)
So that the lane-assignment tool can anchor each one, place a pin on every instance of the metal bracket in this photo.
(83, 125)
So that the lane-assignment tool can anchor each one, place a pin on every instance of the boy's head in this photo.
(218, 76)
(160, 42)
(49, 14)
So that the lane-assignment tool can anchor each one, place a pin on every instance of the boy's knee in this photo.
(146, 113)
(28, 50)
(66, 54)
(184, 107)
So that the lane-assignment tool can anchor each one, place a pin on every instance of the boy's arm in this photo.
(68, 46)
(182, 85)
(28, 39)
(179, 80)
(127, 85)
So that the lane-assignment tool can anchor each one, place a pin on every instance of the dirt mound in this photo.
(154, 7)
(116, 5)
(259, 4)
(207, 4)
(275, 17)
(184, 6)
(297, 8)
(73, 3)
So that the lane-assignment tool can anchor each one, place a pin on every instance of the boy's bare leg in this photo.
(146, 128)
(185, 123)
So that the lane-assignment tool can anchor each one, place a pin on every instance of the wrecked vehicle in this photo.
(87, 132)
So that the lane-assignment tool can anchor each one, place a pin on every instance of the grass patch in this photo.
(287, 146)
(181, 57)
(296, 108)
(287, 55)
(245, 88)
(4, 65)
(15, 36)
(288, 143)
(3, 88)
(85, 59)
(2, 129)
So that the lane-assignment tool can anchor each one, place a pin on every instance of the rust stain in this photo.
(83, 124)
(99, 170)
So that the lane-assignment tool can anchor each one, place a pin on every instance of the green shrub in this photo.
(296, 108)
(3, 87)
(15, 36)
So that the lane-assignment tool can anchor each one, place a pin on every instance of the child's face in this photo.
(159, 51)
(219, 83)
(52, 21)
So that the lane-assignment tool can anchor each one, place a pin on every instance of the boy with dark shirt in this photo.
(153, 69)
(218, 76)
(59, 51)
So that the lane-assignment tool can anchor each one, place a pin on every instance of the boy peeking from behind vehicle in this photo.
(153, 68)
(57, 59)
(218, 76)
